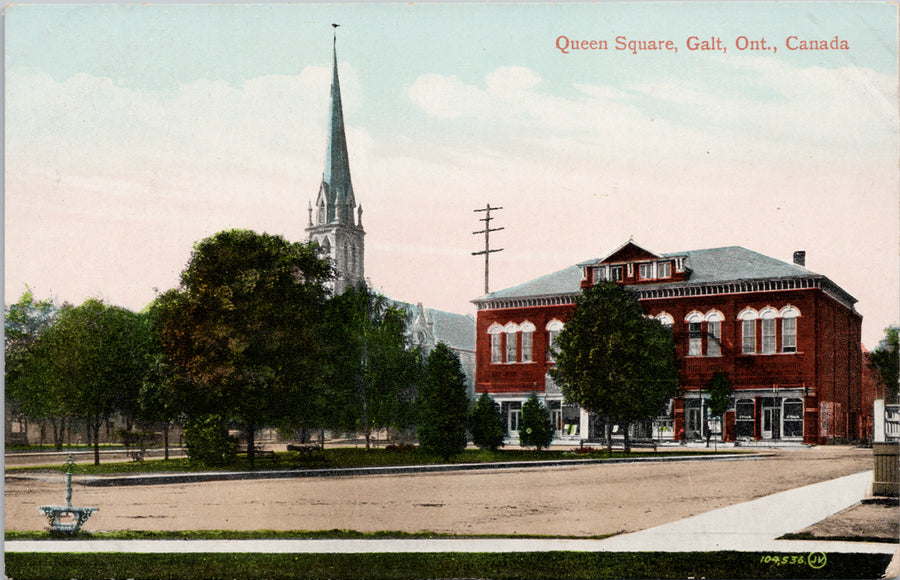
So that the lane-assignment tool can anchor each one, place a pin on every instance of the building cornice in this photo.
(682, 290)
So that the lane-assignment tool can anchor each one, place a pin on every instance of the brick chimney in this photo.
(800, 258)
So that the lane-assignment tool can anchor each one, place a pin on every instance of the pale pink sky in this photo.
(116, 165)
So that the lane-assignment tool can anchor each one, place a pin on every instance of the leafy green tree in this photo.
(25, 322)
(612, 360)
(719, 389)
(536, 429)
(242, 330)
(375, 371)
(90, 364)
(487, 424)
(442, 404)
(886, 357)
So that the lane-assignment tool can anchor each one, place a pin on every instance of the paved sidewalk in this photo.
(749, 526)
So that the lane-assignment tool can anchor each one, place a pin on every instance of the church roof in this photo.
(455, 330)
(706, 266)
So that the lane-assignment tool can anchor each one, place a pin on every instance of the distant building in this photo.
(428, 327)
(788, 338)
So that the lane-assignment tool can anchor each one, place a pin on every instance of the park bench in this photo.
(263, 453)
(304, 448)
(644, 444)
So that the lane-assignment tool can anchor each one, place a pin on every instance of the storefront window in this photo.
(743, 418)
(793, 418)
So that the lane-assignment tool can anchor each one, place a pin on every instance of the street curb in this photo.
(172, 478)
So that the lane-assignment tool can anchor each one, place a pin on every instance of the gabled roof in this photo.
(707, 266)
(629, 251)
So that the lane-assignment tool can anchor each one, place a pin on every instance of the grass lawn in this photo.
(558, 565)
(342, 457)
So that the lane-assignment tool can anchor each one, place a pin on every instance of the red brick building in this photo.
(788, 338)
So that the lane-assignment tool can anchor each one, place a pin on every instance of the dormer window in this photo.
(615, 273)
(646, 271)
(599, 274)
(679, 264)
(664, 270)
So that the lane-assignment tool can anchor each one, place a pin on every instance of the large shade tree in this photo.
(243, 328)
(614, 361)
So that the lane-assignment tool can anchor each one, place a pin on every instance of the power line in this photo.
(487, 241)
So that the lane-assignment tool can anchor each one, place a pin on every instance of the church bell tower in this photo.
(335, 223)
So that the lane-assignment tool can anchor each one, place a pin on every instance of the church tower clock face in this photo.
(337, 227)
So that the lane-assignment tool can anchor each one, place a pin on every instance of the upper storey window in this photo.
(496, 331)
(647, 271)
(615, 273)
(789, 316)
(768, 330)
(748, 318)
(664, 270)
(527, 341)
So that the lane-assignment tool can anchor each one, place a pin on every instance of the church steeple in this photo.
(336, 228)
(336, 182)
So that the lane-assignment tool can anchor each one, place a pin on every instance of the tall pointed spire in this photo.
(336, 177)
(337, 227)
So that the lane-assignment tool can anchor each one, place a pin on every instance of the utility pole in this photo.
(487, 240)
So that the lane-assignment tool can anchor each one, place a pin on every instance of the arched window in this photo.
(527, 341)
(511, 331)
(768, 315)
(748, 317)
(665, 319)
(694, 322)
(495, 331)
(789, 315)
(554, 327)
(714, 320)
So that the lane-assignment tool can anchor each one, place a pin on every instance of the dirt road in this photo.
(580, 501)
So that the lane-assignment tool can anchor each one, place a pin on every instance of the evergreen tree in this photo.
(487, 424)
(442, 404)
(536, 429)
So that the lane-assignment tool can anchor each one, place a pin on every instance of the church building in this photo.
(335, 224)
(788, 338)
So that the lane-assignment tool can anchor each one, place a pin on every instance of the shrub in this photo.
(207, 441)
(487, 424)
(536, 429)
